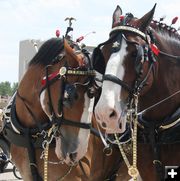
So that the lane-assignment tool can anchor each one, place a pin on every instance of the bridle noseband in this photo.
(116, 80)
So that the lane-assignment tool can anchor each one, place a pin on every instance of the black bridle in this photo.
(62, 75)
(144, 54)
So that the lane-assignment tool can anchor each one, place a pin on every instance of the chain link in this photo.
(45, 145)
(133, 118)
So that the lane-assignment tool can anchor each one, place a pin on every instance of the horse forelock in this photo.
(48, 51)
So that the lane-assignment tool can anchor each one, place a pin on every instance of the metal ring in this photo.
(107, 151)
(157, 161)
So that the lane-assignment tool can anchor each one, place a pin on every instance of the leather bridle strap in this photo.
(62, 121)
(51, 109)
(116, 80)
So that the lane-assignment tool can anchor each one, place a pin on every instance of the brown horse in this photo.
(51, 107)
(142, 61)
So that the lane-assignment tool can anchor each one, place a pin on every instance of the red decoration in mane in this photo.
(174, 20)
(155, 49)
(57, 33)
(158, 25)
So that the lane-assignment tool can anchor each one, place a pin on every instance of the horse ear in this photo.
(67, 48)
(145, 21)
(71, 55)
(116, 16)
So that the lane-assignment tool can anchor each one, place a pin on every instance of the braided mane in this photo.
(164, 28)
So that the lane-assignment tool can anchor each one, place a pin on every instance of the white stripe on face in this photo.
(84, 134)
(110, 97)
(43, 103)
(42, 100)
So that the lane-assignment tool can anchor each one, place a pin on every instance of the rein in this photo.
(156, 104)
(116, 80)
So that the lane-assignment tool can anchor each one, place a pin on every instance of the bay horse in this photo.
(51, 107)
(141, 66)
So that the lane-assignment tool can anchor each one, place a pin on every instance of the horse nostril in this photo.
(113, 114)
(103, 125)
(73, 156)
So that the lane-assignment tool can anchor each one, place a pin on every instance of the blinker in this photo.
(139, 58)
(70, 95)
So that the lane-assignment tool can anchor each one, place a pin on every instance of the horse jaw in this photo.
(108, 110)
(82, 139)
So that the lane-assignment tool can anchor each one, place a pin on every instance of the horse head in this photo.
(129, 70)
(65, 100)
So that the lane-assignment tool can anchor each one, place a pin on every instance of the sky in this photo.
(39, 19)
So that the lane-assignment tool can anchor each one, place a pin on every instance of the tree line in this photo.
(6, 89)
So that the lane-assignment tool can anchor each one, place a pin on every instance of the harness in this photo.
(156, 134)
(44, 133)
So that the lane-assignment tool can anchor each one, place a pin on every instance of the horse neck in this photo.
(167, 41)
(166, 80)
(29, 89)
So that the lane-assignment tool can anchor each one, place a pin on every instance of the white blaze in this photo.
(110, 96)
(84, 134)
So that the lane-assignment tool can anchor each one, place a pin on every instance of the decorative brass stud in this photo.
(62, 71)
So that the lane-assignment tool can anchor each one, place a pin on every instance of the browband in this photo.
(131, 29)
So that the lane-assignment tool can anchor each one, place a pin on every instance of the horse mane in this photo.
(169, 33)
(48, 51)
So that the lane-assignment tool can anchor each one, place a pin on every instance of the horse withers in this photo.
(141, 79)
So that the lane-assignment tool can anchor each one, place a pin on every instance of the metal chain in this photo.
(132, 169)
(122, 152)
(46, 151)
(135, 133)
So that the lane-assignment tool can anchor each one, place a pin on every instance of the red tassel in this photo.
(57, 33)
(155, 49)
(80, 39)
(121, 18)
(174, 20)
